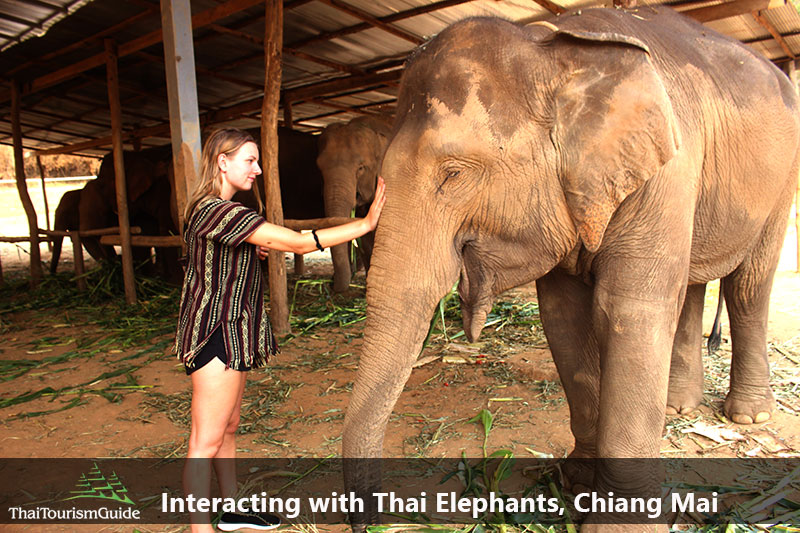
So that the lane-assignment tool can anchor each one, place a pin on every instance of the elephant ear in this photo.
(614, 127)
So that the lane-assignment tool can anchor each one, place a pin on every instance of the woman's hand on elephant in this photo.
(377, 204)
(262, 252)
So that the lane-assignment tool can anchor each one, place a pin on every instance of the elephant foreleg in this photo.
(637, 332)
(686, 369)
(565, 303)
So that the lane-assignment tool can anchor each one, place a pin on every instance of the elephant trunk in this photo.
(403, 288)
(340, 199)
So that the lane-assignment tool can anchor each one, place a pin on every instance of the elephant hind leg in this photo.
(56, 255)
(686, 368)
(750, 397)
(747, 291)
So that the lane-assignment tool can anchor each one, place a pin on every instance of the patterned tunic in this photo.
(222, 286)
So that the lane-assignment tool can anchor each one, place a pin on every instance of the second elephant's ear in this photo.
(614, 128)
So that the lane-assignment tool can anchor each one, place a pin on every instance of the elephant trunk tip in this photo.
(473, 324)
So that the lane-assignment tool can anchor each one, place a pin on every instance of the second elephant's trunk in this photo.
(340, 199)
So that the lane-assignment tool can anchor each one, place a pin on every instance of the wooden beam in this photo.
(22, 187)
(183, 105)
(244, 36)
(112, 75)
(387, 19)
(791, 71)
(373, 21)
(731, 9)
(96, 38)
(552, 7)
(199, 20)
(761, 19)
(342, 84)
(236, 80)
(273, 42)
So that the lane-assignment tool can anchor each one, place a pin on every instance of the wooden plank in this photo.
(146, 241)
(135, 230)
(315, 223)
(182, 97)
(112, 75)
(22, 187)
(731, 9)
(273, 42)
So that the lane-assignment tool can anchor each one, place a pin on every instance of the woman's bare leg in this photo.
(216, 393)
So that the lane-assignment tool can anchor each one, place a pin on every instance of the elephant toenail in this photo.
(686, 410)
(762, 417)
(672, 411)
(742, 419)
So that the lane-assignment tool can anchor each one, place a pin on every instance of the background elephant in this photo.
(620, 159)
(349, 157)
(149, 206)
(67, 218)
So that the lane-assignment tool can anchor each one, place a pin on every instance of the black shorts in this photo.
(215, 347)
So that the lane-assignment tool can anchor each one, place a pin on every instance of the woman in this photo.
(223, 328)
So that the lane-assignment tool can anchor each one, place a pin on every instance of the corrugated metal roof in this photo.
(23, 19)
(326, 42)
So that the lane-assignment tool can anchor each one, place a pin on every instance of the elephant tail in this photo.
(715, 337)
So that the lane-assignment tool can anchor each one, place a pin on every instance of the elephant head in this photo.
(349, 157)
(512, 149)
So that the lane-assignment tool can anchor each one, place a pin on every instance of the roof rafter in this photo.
(140, 43)
(373, 21)
(761, 19)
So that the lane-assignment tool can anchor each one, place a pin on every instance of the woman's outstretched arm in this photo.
(287, 240)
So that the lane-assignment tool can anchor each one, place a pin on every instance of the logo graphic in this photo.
(96, 485)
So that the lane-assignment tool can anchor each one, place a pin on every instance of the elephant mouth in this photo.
(475, 293)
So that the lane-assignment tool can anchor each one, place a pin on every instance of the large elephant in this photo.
(350, 156)
(620, 158)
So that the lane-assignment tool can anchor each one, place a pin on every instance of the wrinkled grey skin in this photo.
(349, 157)
(622, 161)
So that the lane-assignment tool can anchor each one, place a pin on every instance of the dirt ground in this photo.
(109, 394)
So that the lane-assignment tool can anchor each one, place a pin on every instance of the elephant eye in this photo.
(448, 174)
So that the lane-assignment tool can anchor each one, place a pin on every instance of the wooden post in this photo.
(44, 197)
(273, 45)
(791, 70)
(22, 187)
(112, 77)
(184, 119)
(288, 122)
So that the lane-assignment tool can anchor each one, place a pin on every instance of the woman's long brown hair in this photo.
(222, 141)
